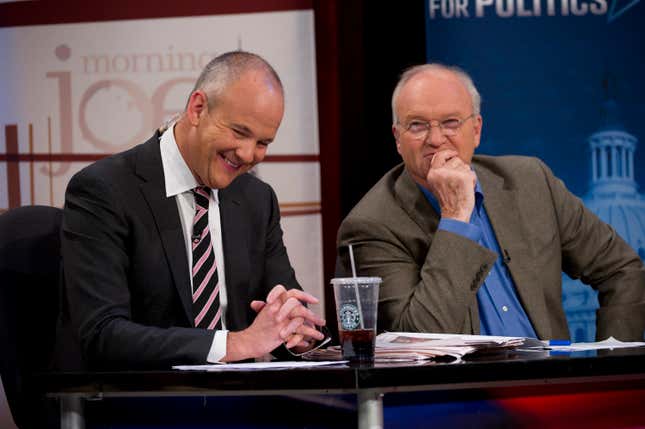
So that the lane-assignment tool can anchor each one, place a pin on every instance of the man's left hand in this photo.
(301, 330)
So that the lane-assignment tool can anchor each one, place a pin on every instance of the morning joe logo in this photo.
(460, 9)
(115, 85)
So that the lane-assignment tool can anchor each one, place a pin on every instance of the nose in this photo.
(245, 152)
(435, 137)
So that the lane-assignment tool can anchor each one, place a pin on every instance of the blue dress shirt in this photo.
(500, 311)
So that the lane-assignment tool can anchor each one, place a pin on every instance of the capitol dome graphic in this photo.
(613, 196)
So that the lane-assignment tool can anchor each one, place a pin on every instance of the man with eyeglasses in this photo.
(477, 244)
(172, 252)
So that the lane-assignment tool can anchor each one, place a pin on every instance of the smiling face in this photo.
(434, 95)
(222, 142)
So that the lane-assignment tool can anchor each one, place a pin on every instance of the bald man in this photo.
(477, 244)
(172, 252)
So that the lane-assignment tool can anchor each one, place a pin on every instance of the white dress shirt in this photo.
(180, 182)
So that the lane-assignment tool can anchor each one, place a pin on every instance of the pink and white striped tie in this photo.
(206, 308)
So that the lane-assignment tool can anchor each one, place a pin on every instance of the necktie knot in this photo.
(202, 195)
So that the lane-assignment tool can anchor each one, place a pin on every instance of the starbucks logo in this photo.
(349, 316)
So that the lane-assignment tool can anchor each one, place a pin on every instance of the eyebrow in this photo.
(248, 131)
(452, 115)
(242, 128)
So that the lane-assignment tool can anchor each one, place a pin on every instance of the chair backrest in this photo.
(29, 302)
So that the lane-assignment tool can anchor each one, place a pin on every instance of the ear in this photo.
(197, 106)
(395, 133)
(479, 122)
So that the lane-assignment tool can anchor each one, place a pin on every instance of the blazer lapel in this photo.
(236, 260)
(415, 203)
(501, 203)
(166, 217)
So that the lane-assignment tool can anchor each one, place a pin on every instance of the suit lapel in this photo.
(166, 217)
(501, 203)
(236, 260)
(415, 203)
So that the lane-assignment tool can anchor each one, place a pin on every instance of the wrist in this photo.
(462, 216)
(239, 347)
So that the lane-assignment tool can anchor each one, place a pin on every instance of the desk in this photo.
(505, 374)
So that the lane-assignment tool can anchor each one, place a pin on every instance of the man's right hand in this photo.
(281, 319)
(452, 182)
(301, 332)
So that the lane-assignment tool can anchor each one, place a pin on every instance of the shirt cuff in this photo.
(218, 347)
(467, 230)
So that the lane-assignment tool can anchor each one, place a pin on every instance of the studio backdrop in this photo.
(76, 92)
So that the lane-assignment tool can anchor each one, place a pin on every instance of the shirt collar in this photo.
(177, 176)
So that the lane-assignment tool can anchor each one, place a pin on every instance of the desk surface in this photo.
(511, 368)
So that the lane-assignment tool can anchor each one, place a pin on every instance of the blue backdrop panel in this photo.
(561, 80)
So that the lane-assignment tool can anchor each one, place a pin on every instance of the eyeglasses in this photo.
(321, 343)
(418, 130)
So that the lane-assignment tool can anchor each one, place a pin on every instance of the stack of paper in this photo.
(400, 344)
(413, 346)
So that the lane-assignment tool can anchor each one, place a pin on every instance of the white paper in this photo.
(452, 337)
(609, 343)
(255, 366)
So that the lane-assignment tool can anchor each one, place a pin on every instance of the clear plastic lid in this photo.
(354, 280)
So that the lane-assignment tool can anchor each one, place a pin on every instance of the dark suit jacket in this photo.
(127, 281)
(430, 277)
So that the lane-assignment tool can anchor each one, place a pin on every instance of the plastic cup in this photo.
(356, 304)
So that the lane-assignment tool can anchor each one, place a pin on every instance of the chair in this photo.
(29, 278)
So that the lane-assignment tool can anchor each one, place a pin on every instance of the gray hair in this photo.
(226, 68)
(461, 75)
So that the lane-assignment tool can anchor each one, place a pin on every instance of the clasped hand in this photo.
(284, 318)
